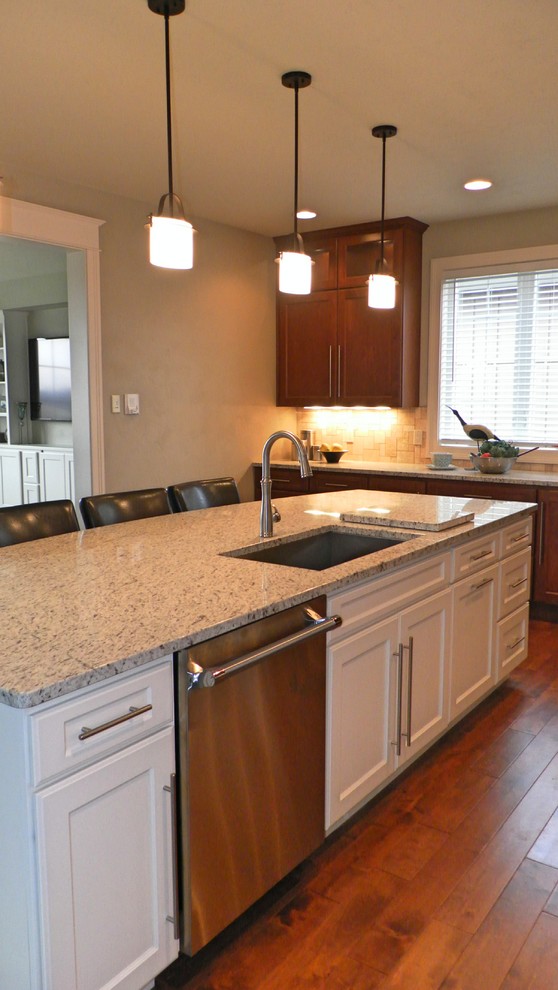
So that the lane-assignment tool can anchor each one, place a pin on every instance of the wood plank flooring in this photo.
(446, 881)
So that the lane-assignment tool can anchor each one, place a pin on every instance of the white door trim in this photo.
(70, 230)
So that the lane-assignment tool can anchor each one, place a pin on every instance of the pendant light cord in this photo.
(382, 258)
(296, 235)
(169, 125)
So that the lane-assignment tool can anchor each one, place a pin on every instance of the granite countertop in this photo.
(539, 479)
(79, 608)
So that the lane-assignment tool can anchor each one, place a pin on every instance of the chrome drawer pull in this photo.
(479, 556)
(407, 734)
(512, 646)
(475, 587)
(206, 677)
(398, 719)
(518, 583)
(173, 919)
(132, 713)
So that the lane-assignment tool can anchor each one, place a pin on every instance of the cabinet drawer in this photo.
(55, 744)
(512, 640)
(516, 537)
(514, 582)
(371, 601)
(473, 556)
(337, 481)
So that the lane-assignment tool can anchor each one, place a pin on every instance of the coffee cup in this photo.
(441, 459)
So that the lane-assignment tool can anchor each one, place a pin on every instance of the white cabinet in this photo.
(11, 487)
(88, 898)
(417, 649)
(387, 685)
(473, 666)
(361, 717)
(104, 855)
(425, 640)
(53, 475)
(31, 476)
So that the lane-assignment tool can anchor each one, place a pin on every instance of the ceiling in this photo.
(471, 87)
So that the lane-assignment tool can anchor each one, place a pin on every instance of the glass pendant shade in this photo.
(295, 267)
(381, 291)
(171, 243)
(295, 273)
(381, 287)
(171, 238)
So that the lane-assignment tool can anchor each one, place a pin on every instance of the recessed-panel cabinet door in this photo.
(104, 871)
(369, 352)
(306, 349)
(546, 557)
(360, 755)
(425, 637)
(473, 668)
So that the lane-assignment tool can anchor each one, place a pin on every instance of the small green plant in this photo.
(498, 448)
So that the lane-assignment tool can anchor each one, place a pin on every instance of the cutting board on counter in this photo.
(423, 512)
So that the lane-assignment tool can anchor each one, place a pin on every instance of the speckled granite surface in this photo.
(79, 608)
(540, 479)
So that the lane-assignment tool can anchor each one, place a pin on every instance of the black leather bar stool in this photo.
(104, 510)
(203, 494)
(24, 523)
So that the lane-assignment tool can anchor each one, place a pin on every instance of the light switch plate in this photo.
(115, 403)
(131, 404)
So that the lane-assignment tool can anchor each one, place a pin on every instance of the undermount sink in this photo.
(319, 551)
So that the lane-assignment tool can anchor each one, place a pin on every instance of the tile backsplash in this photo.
(397, 436)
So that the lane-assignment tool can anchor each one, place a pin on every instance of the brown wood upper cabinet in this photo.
(331, 348)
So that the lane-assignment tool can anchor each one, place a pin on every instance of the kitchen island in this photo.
(91, 620)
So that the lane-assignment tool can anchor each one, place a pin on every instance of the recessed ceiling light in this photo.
(476, 184)
(306, 214)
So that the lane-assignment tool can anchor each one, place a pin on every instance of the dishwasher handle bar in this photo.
(200, 677)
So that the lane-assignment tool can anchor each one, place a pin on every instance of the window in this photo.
(497, 350)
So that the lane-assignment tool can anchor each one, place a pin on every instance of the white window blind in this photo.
(499, 355)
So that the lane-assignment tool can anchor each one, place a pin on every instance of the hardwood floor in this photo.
(447, 881)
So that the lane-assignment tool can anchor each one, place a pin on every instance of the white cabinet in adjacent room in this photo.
(11, 487)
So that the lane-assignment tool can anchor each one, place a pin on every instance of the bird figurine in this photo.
(474, 430)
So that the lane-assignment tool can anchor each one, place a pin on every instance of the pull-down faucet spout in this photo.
(266, 515)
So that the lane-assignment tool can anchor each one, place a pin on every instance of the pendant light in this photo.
(171, 237)
(295, 267)
(381, 287)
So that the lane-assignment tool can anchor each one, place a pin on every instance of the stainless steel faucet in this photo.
(266, 515)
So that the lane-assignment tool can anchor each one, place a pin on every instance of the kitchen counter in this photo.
(541, 479)
(82, 607)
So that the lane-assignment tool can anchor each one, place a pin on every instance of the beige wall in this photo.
(198, 347)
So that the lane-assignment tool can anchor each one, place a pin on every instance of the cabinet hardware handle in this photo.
(512, 646)
(407, 734)
(475, 587)
(518, 584)
(479, 556)
(339, 371)
(330, 371)
(131, 713)
(541, 534)
(173, 918)
(518, 539)
(207, 677)
(399, 656)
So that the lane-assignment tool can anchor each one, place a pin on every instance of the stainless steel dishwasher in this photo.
(251, 744)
